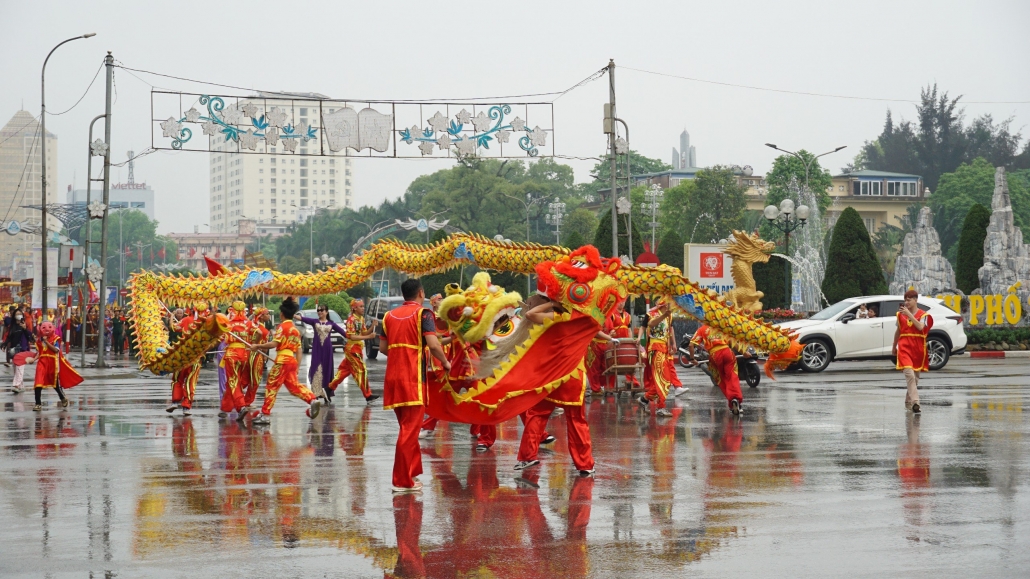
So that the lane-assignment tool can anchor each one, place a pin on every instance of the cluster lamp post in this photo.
(555, 215)
(787, 218)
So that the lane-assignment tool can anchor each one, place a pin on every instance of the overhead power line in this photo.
(83, 94)
(807, 93)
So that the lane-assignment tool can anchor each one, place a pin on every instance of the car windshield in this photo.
(314, 314)
(832, 310)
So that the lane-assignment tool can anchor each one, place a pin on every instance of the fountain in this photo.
(808, 258)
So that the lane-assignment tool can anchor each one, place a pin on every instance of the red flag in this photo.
(213, 267)
(193, 251)
(128, 251)
(161, 253)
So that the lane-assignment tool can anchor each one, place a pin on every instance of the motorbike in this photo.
(697, 357)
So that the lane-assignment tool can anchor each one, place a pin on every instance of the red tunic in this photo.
(405, 365)
(52, 368)
(912, 342)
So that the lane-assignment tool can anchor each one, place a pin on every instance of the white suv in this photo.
(836, 334)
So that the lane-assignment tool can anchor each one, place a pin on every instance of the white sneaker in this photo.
(522, 465)
(663, 413)
(186, 412)
(172, 408)
(316, 405)
(678, 391)
(423, 434)
(412, 489)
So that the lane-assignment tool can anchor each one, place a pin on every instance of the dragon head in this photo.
(582, 281)
(473, 314)
(749, 247)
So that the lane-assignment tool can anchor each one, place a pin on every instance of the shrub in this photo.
(852, 268)
(971, 248)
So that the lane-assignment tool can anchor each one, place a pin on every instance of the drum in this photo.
(623, 358)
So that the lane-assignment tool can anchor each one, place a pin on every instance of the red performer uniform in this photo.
(237, 363)
(284, 371)
(258, 335)
(722, 363)
(570, 397)
(353, 363)
(404, 330)
(184, 381)
(656, 368)
(912, 352)
(52, 368)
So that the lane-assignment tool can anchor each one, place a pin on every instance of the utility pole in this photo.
(609, 127)
(102, 290)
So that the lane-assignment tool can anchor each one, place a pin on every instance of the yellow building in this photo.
(880, 198)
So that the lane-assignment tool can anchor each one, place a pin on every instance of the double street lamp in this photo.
(653, 202)
(787, 218)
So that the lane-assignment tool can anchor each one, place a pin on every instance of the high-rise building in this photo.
(20, 148)
(275, 189)
(686, 157)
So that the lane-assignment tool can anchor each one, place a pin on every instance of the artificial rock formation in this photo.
(921, 264)
(1006, 257)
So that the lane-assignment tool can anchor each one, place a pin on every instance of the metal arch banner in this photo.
(314, 125)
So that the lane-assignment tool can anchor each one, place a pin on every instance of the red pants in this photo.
(429, 423)
(237, 378)
(723, 365)
(484, 433)
(284, 372)
(576, 429)
(184, 386)
(407, 459)
(595, 366)
(407, 522)
(352, 365)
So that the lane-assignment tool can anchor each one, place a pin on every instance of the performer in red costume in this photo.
(722, 365)
(619, 325)
(406, 333)
(258, 335)
(570, 397)
(656, 370)
(287, 344)
(184, 382)
(237, 361)
(910, 346)
(353, 363)
(52, 369)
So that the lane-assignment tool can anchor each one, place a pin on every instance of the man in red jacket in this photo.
(407, 332)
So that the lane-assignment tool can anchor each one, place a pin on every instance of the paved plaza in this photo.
(823, 475)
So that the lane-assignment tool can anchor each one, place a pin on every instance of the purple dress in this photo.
(322, 368)
(221, 369)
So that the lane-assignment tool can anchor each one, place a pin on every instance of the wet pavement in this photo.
(822, 475)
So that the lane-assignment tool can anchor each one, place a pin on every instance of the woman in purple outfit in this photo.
(322, 368)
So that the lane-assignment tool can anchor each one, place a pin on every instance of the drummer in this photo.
(619, 326)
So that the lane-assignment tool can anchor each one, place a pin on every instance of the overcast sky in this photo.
(417, 50)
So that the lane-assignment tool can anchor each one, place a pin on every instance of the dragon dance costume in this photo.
(184, 382)
(236, 361)
(353, 363)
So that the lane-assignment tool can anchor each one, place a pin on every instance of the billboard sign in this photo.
(707, 266)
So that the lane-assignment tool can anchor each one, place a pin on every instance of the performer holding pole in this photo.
(287, 344)
(722, 366)
(236, 362)
(258, 335)
(656, 378)
(353, 363)
(910, 346)
(184, 382)
(407, 332)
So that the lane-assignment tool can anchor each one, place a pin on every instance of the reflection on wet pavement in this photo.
(823, 474)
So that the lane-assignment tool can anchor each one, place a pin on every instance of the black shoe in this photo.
(586, 473)
(643, 401)
(915, 408)
(550, 438)
(371, 398)
(735, 407)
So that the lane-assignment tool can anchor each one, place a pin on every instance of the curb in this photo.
(1001, 354)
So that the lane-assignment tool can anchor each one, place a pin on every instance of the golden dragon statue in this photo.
(746, 250)
(152, 294)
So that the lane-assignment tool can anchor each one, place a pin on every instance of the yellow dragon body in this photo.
(152, 294)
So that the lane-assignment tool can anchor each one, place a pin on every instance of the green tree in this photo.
(715, 205)
(787, 169)
(574, 240)
(339, 303)
(852, 268)
(770, 279)
(675, 212)
(603, 236)
(581, 221)
(970, 184)
(971, 248)
(638, 165)
(670, 249)
(130, 233)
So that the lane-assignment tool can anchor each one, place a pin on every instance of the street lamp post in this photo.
(42, 156)
(653, 200)
(808, 163)
(787, 219)
(529, 202)
(555, 215)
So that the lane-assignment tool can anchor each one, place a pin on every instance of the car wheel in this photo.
(815, 356)
(938, 352)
